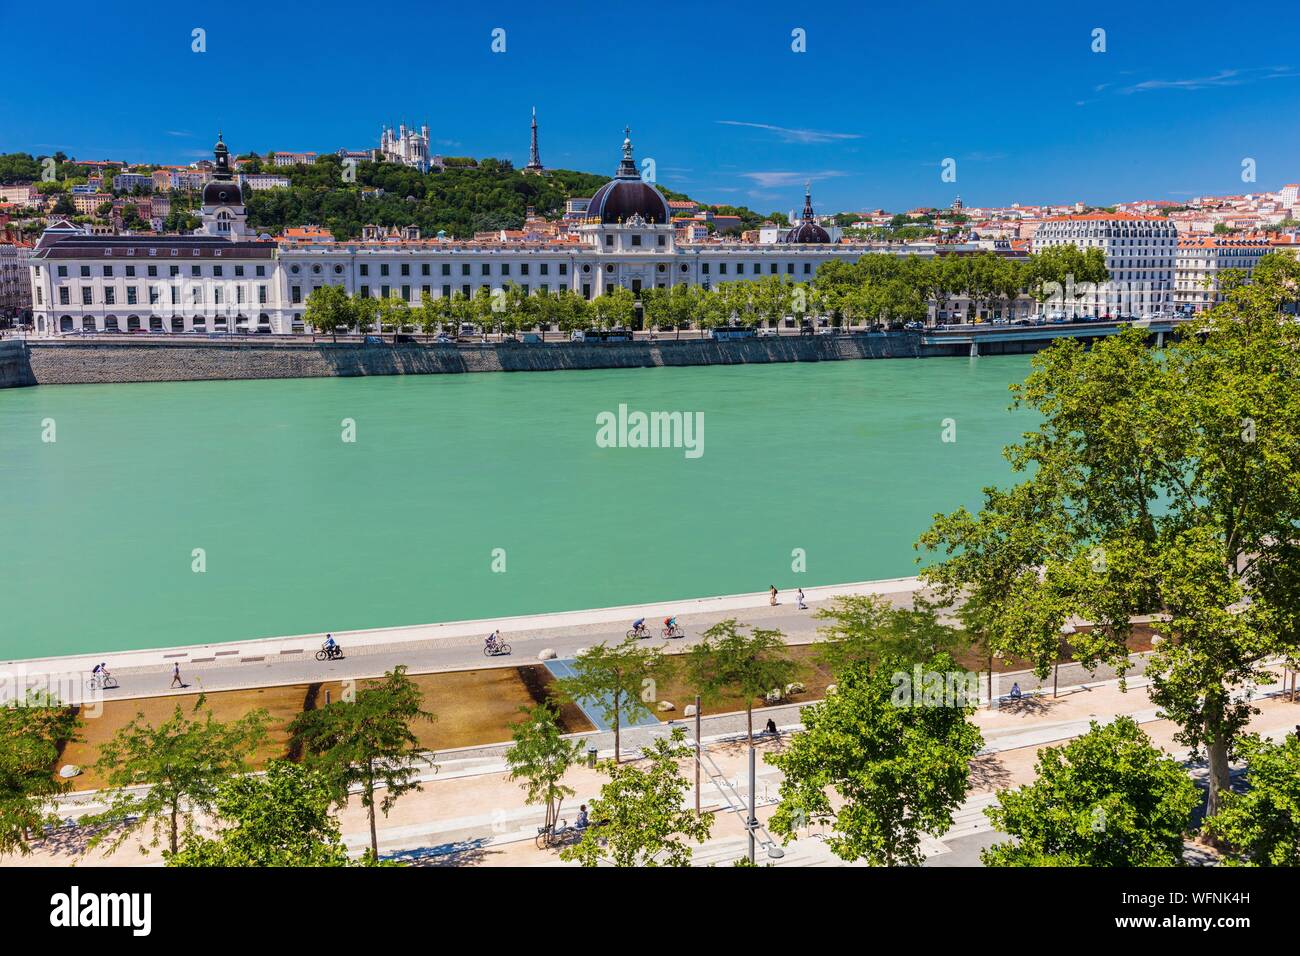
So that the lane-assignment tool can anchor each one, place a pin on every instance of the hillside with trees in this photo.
(461, 199)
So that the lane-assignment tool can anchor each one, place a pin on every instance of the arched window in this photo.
(65, 323)
(110, 324)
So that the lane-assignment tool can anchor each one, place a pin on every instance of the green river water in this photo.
(303, 532)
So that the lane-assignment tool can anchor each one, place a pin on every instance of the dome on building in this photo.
(628, 195)
(807, 231)
(222, 190)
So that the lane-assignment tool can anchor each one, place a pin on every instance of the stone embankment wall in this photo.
(14, 367)
(63, 362)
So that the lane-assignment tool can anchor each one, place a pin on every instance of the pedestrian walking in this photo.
(772, 600)
(800, 601)
(176, 675)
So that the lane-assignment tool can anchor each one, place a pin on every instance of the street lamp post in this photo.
(752, 823)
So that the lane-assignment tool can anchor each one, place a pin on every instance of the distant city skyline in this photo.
(716, 97)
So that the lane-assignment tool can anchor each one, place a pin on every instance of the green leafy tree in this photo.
(367, 742)
(160, 777)
(394, 313)
(329, 309)
(1261, 827)
(279, 818)
(748, 665)
(365, 310)
(1188, 461)
(640, 818)
(614, 680)
(899, 768)
(866, 629)
(1108, 798)
(31, 736)
(615, 309)
(541, 757)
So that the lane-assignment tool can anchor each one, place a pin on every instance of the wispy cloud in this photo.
(1221, 78)
(184, 134)
(772, 180)
(789, 135)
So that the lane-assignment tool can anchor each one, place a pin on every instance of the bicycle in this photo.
(494, 649)
(334, 653)
(549, 835)
(638, 632)
(674, 631)
(102, 682)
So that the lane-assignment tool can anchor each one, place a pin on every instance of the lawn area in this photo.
(812, 675)
(472, 707)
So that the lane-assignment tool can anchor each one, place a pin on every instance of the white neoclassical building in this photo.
(1201, 260)
(223, 278)
(1140, 254)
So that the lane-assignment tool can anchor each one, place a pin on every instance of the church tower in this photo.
(222, 212)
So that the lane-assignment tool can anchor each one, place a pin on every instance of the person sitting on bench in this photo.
(1015, 691)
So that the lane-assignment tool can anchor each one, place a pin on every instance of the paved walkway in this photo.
(439, 647)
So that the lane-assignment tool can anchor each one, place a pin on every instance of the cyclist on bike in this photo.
(670, 624)
(639, 625)
(493, 640)
(330, 644)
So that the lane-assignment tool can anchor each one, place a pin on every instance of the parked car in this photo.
(405, 340)
(443, 339)
(532, 338)
(373, 340)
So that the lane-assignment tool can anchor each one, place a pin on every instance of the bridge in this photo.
(974, 335)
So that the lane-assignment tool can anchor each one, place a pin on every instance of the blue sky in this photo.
(713, 92)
